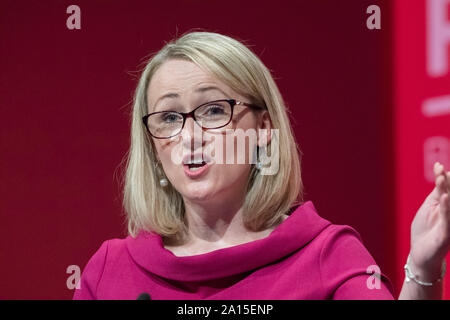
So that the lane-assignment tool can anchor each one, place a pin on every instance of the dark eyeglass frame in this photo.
(191, 114)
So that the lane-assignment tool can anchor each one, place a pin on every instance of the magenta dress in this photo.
(305, 257)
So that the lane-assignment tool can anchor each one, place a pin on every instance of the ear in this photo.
(264, 129)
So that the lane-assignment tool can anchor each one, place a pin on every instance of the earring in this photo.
(163, 182)
(258, 164)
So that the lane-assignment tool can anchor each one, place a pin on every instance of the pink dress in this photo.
(305, 257)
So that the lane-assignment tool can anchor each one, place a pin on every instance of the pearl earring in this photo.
(163, 182)
(258, 165)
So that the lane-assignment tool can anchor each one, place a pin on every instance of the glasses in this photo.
(211, 115)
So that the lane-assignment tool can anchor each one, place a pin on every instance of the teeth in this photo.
(195, 162)
(194, 168)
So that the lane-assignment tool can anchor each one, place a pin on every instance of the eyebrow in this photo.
(176, 95)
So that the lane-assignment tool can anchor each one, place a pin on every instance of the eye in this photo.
(170, 117)
(212, 110)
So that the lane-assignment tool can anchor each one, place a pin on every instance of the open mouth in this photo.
(195, 166)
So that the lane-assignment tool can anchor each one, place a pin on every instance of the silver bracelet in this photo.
(410, 276)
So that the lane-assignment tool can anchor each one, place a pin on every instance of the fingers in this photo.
(438, 168)
(444, 208)
(445, 202)
(442, 178)
(441, 185)
(448, 180)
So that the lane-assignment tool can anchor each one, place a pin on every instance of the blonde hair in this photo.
(152, 208)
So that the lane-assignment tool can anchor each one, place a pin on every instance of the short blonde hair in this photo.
(152, 208)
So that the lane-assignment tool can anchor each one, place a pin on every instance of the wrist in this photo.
(428, 274)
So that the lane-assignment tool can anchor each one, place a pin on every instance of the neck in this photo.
(214, 224)
(212, 227)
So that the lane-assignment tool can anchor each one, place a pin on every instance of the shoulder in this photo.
(108, 251)
(338, 243)
(330, 239)
(340, 236)
(347, 267)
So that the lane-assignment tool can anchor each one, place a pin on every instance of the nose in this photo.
(192, 135)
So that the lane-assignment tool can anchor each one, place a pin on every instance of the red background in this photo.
(65, 98)
(412, 85)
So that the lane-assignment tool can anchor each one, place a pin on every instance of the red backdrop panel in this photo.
(422, 108)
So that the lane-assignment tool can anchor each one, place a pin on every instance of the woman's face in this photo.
(180, 85)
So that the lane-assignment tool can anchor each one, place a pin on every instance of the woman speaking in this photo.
(213, 196)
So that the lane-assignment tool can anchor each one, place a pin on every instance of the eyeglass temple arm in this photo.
(253, 106)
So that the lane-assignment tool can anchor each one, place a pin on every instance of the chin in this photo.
(197, 196)
(198, 191)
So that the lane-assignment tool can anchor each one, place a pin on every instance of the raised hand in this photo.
(430, 229)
